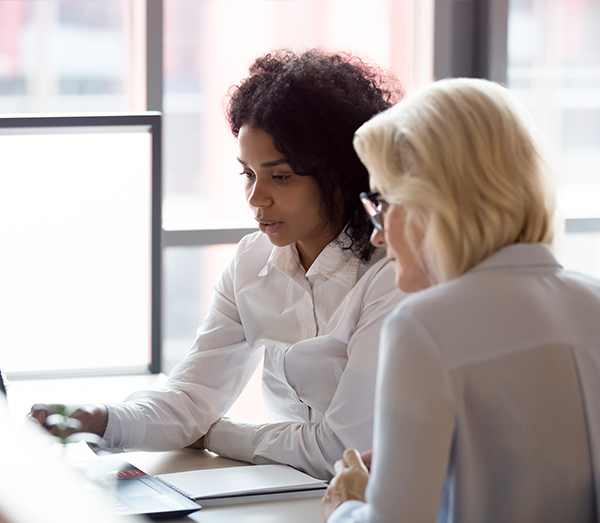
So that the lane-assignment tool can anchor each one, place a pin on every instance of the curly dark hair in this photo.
(312, 103)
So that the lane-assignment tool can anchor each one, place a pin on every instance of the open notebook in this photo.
(243, 484)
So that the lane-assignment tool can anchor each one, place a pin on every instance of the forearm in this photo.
(311, 447)
(166, 419)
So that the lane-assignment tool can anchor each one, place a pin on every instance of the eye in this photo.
(247, 175)
(281, 177)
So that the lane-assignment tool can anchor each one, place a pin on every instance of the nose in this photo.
(378, 238)
(257, 194)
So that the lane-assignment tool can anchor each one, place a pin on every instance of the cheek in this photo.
(394, 241)
(307, 206)
(247, 192)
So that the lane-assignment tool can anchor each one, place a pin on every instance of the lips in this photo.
(269, 227)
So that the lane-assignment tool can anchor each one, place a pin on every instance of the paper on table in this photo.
(227, 483)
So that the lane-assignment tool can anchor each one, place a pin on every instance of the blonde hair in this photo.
(465, 160)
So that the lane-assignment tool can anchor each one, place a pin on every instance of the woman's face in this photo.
(409, 269)
(285, 205)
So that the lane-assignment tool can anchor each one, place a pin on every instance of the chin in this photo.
(278, 241)
(408, 288)
(411, 284)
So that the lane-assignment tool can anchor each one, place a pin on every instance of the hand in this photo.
(350, 482)
(81, 418)
(367, 457)
(198, 444)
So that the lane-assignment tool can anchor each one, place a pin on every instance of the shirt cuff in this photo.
(231, 439)
(126, 427)
(345, 513)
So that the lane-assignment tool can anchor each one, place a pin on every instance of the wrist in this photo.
(207, 435)
(101, 420)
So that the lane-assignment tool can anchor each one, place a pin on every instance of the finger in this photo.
(39, 412)
(38, 416)
(338, 466)
(352, 458)
(77, 418)
(330, 501)
(367, 458)
(39, 406)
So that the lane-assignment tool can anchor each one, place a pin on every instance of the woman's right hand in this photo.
(367, 457)
(350, 482)
(89, 418)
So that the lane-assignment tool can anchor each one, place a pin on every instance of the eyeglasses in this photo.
(375, 207)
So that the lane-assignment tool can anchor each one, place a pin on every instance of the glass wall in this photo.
(89, 56)
(188, 278)
(554, 65)
(208, 47)
(71, 55)
(76, 211)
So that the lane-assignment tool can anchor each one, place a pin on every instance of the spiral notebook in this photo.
(243, 484)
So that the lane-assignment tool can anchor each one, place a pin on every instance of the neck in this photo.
(307, 256)
(309, 251)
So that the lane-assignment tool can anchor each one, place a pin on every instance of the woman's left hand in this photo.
(198, 444)
(350, 482)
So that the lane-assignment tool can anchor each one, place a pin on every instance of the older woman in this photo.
(489, 381)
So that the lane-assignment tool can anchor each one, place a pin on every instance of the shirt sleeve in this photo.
(414, 427)
(350, 512)
(200, 389)
(348, 422)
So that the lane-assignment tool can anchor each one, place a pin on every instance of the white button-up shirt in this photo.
(318, 331)
(488, 403)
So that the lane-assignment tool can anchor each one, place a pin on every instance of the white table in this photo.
(22, 394)
(305, 510)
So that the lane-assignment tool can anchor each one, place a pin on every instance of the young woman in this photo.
(488, 392)
(307, 293)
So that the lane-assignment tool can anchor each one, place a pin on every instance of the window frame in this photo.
(471, 40)
(153, 120)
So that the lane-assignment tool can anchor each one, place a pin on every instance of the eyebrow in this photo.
(267, 164)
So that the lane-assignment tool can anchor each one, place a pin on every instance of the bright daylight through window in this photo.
(554, 66)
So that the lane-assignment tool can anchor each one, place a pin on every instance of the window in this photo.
(71, 55)
(554, 66)
(80, 273)
(67, 56)
(208, 47)
(90, 56)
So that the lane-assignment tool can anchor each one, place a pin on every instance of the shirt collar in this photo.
(285, 259)
(336, 264)
(519, 256)
(333, 263)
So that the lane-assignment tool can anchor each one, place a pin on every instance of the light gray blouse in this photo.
(488, 399)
